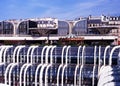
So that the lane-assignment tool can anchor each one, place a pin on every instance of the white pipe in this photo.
(32, 53)
(63, 74)
(51, 56)
(75, 75)
(15, 50)
(105, 52)
(83, 52)
(80, 74)
(93, 79)
(41, 74)
(42, 53)
(46, 56)
(4, 54)
(10, 71)
(82, 64)
(1, 52)
(46, 74)
(18, 52)
(66, 60)
(37, 73)
(6, 71)
(99, 63)
(25, 71)
(78, 58)
(78, 55)
(58, 74)
(62, 57)
(21, 70)
(111, 53)
(66, 57)
(28, 52)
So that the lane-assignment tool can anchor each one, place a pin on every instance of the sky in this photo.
(61, 9)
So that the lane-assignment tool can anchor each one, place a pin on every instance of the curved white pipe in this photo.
(93, 79)
(78, 55)
(15, 50)
(105, 52)
(82, 64)
(1, 52)
(78, 58)
(25, 71)
(66, 61)
(36, 72)
(21, 70)
(41, 74)
(18, 52)
(46, 75)
(51, 55)
(80, 74)
(58, 74)
(10, 71)
(99, 63)
(4, 54)
(32, 53)
(66, 57)
(62, 56)
(42, 53)
(47, 52)
(111, 53)
(83, 52)
(75, 75)
(6, 71)
(28, 52)
(95, 51)
(63, 74)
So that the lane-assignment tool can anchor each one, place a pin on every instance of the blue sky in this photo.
(61, 9)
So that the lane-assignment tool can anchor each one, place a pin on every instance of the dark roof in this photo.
(95, 21)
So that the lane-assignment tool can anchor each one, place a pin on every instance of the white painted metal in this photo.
(77, 66)
(4, 54)
(51, 63)
(37, 73)
(60, 66)
(62, 84)
(6, 71)
(1, 52)
(80, 76)
(105, 52)
(93, 77)
(40, 65)
(46, 74)
(47, 53)
(42, 53)
(21, 70)
(51, 55)
(10, 71)
(111, 53)
(41, 74)
(43, 67)
(25, 71)
(63, 55)
(99, 59)
(82, 64)
(66, 62)
(32, 54)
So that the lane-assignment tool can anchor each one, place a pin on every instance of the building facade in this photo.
(52, 27)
